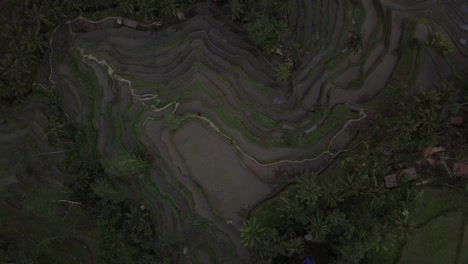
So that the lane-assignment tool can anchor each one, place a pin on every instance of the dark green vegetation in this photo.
(92, 214)
(345, 214)
(266, 21)
(104, 146)
(89, 214)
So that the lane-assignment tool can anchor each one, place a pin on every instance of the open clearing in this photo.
(435, 242)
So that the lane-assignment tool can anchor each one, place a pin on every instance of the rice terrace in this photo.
(234, 131)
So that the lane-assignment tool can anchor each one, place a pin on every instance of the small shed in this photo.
(461, 169)
(391, 181)
(457, 121)
(410, 174)
(130, 23)
(127, 22)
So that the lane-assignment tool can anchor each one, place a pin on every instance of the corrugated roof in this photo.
(411, 174)
(456, 121)
(391, 181)
(461, 169)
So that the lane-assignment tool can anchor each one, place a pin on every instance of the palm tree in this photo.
(294, 246)
(70, 5)
(450, 97)
(54, 10)
(138, 227)
(398, 89)
(337, 220)
(12, 32)
(403, 227)
(283, 8)
(407, 127)
(441, 44)
(168, 8)
(306, 189)
(147, 9)
(12, 68)
(17, 63)
(297, 53)
(280, 27)
(350, 184)
(33, 41)
(263, 258)
(428, 122)
(355, 41)
(291, 207)
(332, 196)
(381, 238)
(283, 72)
(251, 234)
(318, 227)
(236, 9)
(429, 100)
(55, 128)
(38, 15)
(126, 7)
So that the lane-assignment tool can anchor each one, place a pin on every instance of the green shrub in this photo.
(441, 44)
(127, 164)
(104, 189)
(173, 122)
(266, 31)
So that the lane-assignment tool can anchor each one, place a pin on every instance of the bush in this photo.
(173, 122)
(127, 164)
(266, 32)
(441, 44)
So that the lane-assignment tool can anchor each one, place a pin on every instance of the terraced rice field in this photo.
(202, 100)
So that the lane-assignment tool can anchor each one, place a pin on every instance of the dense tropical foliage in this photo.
(341, 221)
(348, 216)
(265, 20)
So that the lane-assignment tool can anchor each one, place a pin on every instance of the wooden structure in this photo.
(457, 121)
(127, 22)
(391, 180)
(460, 169)
(410, 174)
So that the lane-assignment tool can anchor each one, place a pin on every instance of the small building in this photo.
(127, 22)
(410, 174)
(457, 121)
(461, 169)
(391, 180)
(386, 151)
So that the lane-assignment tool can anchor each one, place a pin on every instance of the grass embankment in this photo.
(90, 135)
(404, 71)
(335, 120)
(435, 242)
(439, 236)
